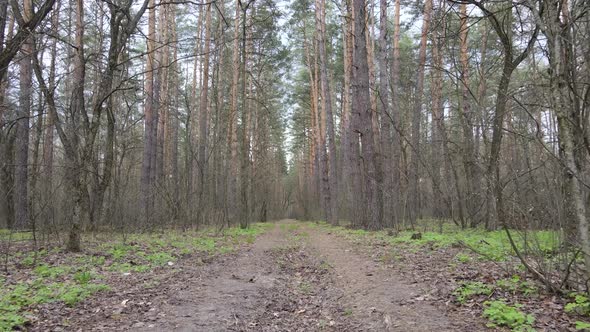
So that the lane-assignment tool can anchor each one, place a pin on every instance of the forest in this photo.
(302, 165)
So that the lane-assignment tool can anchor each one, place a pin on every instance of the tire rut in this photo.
(297, 278)
(378, 296)
(221, 297)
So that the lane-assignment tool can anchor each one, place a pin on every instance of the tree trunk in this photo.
(204, 121)
(372, 199)
(437, 120)
(21, 173)
(414, 194)
(232, 134)
(346, 166)
(332, 201)
(396, 153)
(148, 168)
(49, 127)
(245, 148)
(469, 153)
(164, 109)
(386, 134)
(6, 168)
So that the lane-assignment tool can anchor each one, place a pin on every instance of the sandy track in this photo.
(377, 296)
(224, 296)
(295, 278)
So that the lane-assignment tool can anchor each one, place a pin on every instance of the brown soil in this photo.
(381, 298)
(290, 279)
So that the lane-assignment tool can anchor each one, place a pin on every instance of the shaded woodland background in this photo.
(135, 116)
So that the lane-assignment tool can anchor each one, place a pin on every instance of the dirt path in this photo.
(293, 278)
(224, 296)
(377, 295)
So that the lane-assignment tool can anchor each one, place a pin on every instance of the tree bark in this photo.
(383, 109)
(469, 153)
(332, 201)
(414, 194)
(396, 152)
(204, 120)
(371, 195)
(232, 139)
(21, 173)
(437, 119)
(48, 140)
(245, 148)
(346, 166)
(150, 131)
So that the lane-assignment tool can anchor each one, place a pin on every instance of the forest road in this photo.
(297, 277)
(223, 296)
(377, 295)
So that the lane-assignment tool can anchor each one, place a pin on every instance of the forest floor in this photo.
(284, 276)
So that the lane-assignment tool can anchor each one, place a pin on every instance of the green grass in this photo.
(489, 245)
(77, 276)
(6, 234)
(291, 227)
(15, 300)
(580, 304)
(582, 326)
(120, 251)
(205, 244)
(469, 246)
(159, 258)
(91, 260)
(501, 314)
(463, 258)
(305, 287)
(50, 272)
(470, 289)
(516, 284)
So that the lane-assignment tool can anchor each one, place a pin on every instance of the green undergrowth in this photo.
(515, 285)
(501, 314)
(496, 310)
(471, 288)
(46, 276)
(487, 245)
(17, 299)
(579, 304)
(6, 234)
(497, 296)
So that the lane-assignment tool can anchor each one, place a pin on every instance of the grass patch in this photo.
(305, 287)
(159, 258)
(7, 234)
(470, 289)
(15, 300)
(463, 258)
(91, 260)
(501, 314)
(582, 326)
(120, 251)
(77, 276)
(489, 245)
(580, 305)
(516, 284)
(50, 272)
(206, 244)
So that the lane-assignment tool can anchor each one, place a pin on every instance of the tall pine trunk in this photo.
(371, 194)
(414, 190)
(332, 195)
